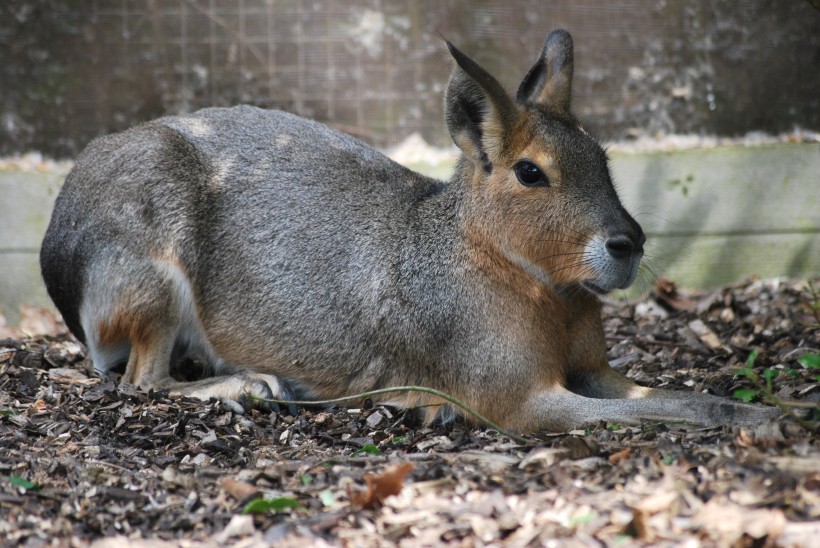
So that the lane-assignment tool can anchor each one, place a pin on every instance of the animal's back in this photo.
(268, 221)
(311, 230)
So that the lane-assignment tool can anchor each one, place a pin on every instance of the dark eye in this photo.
(529, 175)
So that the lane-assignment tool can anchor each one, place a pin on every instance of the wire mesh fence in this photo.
(75, 69)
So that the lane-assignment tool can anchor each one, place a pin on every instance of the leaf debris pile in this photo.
(84, 460)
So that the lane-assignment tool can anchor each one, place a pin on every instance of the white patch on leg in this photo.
(238, 386)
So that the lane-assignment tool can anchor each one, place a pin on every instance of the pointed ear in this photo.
(549, 81)
(479, 112)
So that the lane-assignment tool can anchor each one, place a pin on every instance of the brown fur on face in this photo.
(539, 229)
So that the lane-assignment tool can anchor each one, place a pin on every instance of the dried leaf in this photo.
(381, 486)
(239, 526)
(327, 497)
(544, 457)
(238, 489)
(728, 522)
(667, 294)
(705, 334)
(70, 375)
(620, 456)
(657, 502)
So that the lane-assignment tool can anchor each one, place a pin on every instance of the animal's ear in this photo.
(549, 81)
(479, 112)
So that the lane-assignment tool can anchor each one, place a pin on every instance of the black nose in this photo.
(620, 246)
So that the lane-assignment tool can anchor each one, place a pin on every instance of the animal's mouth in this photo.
(594, 288)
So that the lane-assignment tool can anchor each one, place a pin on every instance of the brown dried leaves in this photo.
(380, 486)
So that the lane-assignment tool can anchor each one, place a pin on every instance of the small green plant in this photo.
(682, 184)
(575, 521)
(260, 505)
(811, 361)
(764, 389)
(369, 449)
(749, 394)
(23, 483)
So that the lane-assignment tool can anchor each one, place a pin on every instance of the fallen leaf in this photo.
(705, 334)
(238, 489)
(381, 486)
(239, 526)
(620, 456)
(327, 497)
(668, 295)
(39, 405)
(544, 457)
(657, 502)
(727, 522)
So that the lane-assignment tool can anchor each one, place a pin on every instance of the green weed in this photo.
(764, 390)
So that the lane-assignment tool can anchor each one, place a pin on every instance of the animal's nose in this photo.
(621, 246)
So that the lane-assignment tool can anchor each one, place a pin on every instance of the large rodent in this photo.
(292, 257)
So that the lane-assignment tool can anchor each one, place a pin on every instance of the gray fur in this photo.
(284, 252)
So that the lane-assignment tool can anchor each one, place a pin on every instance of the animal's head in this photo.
(539, 191)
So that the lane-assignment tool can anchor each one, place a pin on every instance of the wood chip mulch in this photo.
(84, 461)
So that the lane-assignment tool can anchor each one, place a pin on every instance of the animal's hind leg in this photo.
(146, 313)
(149, 362)
(149, 368)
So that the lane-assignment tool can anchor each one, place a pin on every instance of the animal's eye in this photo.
(529, 175)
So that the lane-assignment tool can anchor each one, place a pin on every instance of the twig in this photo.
(422, 389)
(802, 404)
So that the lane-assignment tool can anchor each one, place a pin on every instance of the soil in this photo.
(83, 460)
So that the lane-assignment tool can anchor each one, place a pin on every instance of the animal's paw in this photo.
(259, 389)
(250, 390)
(742, 414)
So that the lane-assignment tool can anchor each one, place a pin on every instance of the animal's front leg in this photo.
(560, 409)
(589, 376)
(587, 371)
